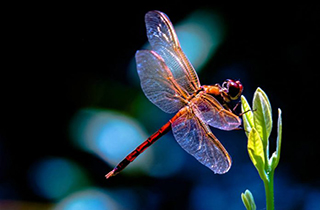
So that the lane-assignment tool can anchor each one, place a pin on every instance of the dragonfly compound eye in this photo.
(234, 89)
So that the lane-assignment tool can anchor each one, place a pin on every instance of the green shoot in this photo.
(248, 200)
(258, 126)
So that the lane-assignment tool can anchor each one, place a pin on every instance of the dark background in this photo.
(58, 56)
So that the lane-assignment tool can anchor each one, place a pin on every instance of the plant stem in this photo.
(268, 186)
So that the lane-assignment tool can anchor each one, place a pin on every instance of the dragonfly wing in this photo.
(196, 138)
(208, 109)
(157, 82)
(164, 41)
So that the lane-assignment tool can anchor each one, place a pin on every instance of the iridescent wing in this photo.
(196, 138)
(165, 43)
(158, 83)
(209, 110)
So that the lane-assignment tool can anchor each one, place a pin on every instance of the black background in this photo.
(54, 53)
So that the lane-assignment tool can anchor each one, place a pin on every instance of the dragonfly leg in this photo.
(246, 112)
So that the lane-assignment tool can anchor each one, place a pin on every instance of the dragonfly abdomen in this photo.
(143, 146)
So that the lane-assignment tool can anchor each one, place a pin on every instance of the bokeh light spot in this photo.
(109, 135)
(87, 200)
(200, 34)
(114, 135)
(53, 178)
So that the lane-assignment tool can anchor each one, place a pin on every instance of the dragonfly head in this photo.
(232, 89)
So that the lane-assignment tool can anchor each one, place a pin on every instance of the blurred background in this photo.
(72, 107)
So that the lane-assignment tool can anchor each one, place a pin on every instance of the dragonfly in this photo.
(169, 81)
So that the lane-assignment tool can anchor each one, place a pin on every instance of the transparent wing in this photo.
(209, 110)
(196, 138)
(164, 41)
(157, 82)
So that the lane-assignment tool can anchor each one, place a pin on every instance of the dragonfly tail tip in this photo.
(110, 174)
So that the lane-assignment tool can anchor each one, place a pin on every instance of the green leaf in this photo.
(274, 161)
(257, 152)
(262, 116)
(248, 200)
(247, 116)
